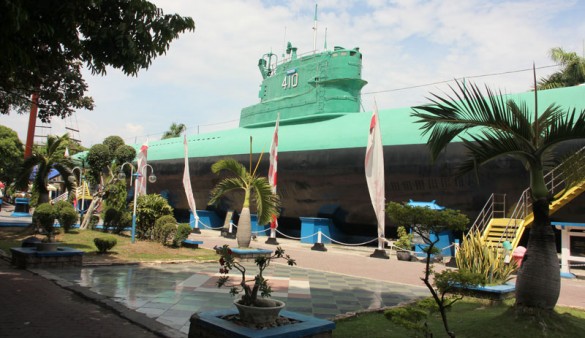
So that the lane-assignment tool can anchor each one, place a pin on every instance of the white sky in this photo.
(209, 75)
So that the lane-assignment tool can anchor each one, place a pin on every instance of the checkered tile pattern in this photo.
(172, 293)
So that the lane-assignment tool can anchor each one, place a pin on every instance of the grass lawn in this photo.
(124, 251)
(472, 318)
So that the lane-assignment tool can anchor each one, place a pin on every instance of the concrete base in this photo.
(211, 325)
(250, 254)
(271, 241)
(380, 254)
(29, 257)
(318, 247)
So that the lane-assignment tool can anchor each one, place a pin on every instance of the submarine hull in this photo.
(331, 183)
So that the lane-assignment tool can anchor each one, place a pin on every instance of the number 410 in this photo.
(290, 81)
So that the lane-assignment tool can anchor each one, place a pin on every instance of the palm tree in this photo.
(505, 128)
(256, 188)
(572, 74)
(175, 130)
(51, 157)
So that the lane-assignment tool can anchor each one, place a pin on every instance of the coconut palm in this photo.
(45, 159)
(572, 74)
(494, 127)
(256, 188)
(175, 130)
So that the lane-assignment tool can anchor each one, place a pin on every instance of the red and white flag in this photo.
(187, 181)
(374, 164)
(272, 170)
(142, 170)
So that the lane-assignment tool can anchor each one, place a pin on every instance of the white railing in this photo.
(62, 197)
(555, 180)
(494, 207)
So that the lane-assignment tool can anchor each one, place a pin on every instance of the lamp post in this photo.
(82, 193)
(136, 173)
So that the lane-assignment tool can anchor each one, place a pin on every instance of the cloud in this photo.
(209, 75)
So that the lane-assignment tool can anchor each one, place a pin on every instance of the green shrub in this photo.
(162, 232)
(476, 256)
(104, 244)
(44, 218)
(124, 222)
(150, 208)
(166, 233)
(404, 241)
(60, 205)
(111, 218)
(183, 231)
(67, 217)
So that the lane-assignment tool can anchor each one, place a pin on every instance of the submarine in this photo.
(322, 144)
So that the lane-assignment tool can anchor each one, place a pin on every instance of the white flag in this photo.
(374, 164)
(273, 170)
(142, 170)
(187, 181)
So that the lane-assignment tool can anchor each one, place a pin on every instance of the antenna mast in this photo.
(315, 31)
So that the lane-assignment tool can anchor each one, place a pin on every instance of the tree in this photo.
(44, 45)
(425, 221)
(572, 74)
(175, 130)
(51, 158)
(103, 160)
(11, 153)
(256, 188)
(113, 142)
(491, 127)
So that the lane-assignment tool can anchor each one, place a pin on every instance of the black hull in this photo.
(331, 183)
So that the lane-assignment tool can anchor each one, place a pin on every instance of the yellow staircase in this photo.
(83, 192)
(496, 228)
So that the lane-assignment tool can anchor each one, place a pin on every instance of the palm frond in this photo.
(231, 165)
(567, 126)
(224, 186)
(267, 203)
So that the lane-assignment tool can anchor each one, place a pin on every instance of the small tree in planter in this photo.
(403, 244)
(44, 219)
(251, 287)
(425, 221)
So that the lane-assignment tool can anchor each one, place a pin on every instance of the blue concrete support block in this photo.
(207, 219)
(445, 238)
(21, 207)
(259, 230)
(311, 225)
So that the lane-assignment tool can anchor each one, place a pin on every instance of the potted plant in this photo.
(44, 220)
(403, 244)
(251, 308)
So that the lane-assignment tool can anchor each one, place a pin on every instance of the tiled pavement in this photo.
(172, 293)
(323, 284)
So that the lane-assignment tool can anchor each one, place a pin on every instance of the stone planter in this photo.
(403, 255)
(267, 311)
(50, 246)
(213, 325)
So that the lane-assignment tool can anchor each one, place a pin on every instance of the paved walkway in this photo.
(63, 302)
